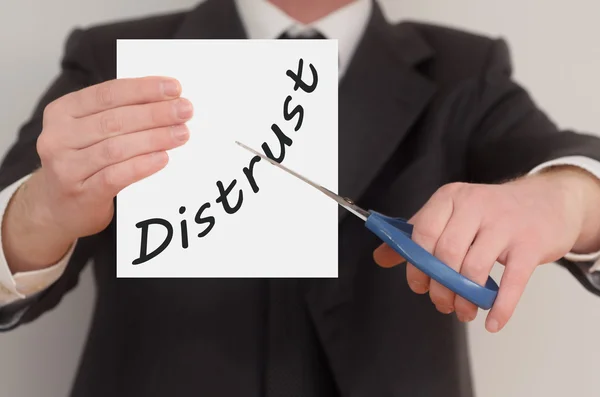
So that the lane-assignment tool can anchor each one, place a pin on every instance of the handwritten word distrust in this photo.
(231, 207)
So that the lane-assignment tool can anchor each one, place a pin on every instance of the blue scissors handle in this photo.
(397, 233)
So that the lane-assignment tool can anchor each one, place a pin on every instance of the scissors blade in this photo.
(342, 201)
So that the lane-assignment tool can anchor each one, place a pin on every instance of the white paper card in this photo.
(240, 91)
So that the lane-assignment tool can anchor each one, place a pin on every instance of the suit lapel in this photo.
(380, 98)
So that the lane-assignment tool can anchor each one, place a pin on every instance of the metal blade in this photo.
(342, 201)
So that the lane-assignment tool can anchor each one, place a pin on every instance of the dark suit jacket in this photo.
(420, 106)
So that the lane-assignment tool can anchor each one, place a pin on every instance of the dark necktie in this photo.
(291, 352)
(312, 35)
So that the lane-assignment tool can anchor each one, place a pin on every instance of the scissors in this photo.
(397, 233)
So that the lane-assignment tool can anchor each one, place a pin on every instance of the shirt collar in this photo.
(263, 20)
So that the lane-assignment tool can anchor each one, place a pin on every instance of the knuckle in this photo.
(50, 111)
(451, 188)
(449, 249)
(44, 147)
(104, 95)
(109, 178)
(110, 124)
(477, 196)
(425, 235)
(154, 113)
(111, 151)
(475, 267)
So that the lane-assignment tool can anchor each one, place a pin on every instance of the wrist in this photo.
(31, 239)
(581, 190)
(39, 207)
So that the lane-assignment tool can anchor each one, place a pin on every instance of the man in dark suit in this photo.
(421, 107)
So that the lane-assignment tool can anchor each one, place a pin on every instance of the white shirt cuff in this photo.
(22, 285)
(593, 167)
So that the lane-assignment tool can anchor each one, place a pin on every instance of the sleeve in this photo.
(77, 72)
(510, 136)
(593, 167)
(22, 285)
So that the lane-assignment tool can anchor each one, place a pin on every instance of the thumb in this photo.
(385, 256)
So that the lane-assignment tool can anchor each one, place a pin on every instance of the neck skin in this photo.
(308, 11)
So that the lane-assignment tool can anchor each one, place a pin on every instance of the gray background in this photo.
(548, 349)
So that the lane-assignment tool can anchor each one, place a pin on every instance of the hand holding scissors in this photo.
(454, 240)
(396, 233)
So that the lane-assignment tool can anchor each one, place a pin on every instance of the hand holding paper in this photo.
(94, 143)
(217, 211)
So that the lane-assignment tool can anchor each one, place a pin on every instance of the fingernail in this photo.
(418, 286)
(463, 318)
(445, 309)
(170, 88)
(180, 132)
(184, 109)
(493, 325)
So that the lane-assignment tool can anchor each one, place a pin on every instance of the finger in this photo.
(451, 249)
(477, 265)
(125, 120)
(417, 280)
(385, 256)
(117, 93)
(109, 181)
(428, 225)
(124, 147)
(520, 266)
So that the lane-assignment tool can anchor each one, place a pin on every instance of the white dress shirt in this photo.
(262, 20)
